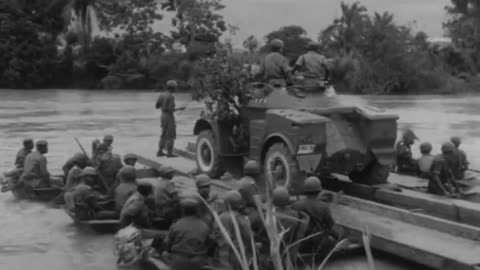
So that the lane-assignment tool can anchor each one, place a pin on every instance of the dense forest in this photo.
(50, 44)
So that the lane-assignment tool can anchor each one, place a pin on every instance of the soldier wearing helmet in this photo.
(82, 199)
(425, 161)
(23, 153)
(225, 254)
(442, 181)
(135, 210)
(463, 163)
(274, 69)
(249, 190)
(108, 141)
(406, 164)
(313, 66)
(127, 186)
(203, 183)
(287, 217)
(189, 238)
(35, 172)
(319, 212)
(166, 103)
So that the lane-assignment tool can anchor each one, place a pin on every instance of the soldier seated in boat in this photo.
(167, 201)
(108, 141)
(203, 184)
(442, 181)
(107, 165)
(321, 219)
(23, 153)
(462, 157)
(83, 201)
(188, 239)
(130, 159)
(135, 210)
(126, 188)
(35, 173)
(406, 164)
(73, 168)
(425, 161)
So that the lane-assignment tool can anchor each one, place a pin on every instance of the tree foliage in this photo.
(251, 44)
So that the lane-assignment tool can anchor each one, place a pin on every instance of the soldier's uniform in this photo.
(20, 158)
(35, 173)
(442, 172)
(275, 68)
(166, 102)
(126, 188)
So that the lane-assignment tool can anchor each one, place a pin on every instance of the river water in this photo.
(34, 236)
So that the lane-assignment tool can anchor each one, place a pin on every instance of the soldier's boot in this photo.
(170, 149)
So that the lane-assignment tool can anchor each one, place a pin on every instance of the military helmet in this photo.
(127, 173)
(456, 141)
(251, 168)
(426, 147)
(108, 138)
(202, 180)
(42, 143)
(409, 134)
(129, 156)
(233, 199)
(89, 171)
(27, 141)
(280, 197)
(276, 43)
(172, 83)
(313, 45)
(447, 147)
(312, 184)
(246, 184)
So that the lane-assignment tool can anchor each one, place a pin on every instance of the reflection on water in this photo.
(35, 236)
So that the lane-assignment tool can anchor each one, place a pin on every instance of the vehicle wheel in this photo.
(373, 174)
(207, 154)
(280, 166)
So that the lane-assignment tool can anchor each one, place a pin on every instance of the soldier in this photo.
(189, 238)
(126, 188)
(79, 160)
(130, 159)
(75, 165)
(425, 161)
(287, 217)
(203, 184)
(107, 164)
(23, 153)
(166, 102)
(108, 141)
(135, 210)
(225, 254)
(462, 157)
(405, 162)
(35, 174)
(321, 219)
(167, 200)
(314, 67)
(442, 181)
(274, 68)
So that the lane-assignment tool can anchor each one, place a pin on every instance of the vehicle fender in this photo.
(208, 124)
(275, 138)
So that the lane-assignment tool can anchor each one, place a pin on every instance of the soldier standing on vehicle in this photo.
(406, 164)
(462, 157)
(321, 219)
(314, 67)
(425, 161)
(442, 181)
(166, 102)
(275, 69)
(23, 153)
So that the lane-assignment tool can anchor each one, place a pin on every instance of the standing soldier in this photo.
(442, 181)
(406, 164)
(23, 153)
(462, 157)
(166, 102)
(274, 68)
(314, 67)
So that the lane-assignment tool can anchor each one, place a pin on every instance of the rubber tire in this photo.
(214, 170)
(373, 174)
(281, 150)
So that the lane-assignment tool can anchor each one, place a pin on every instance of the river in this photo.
(36, 237)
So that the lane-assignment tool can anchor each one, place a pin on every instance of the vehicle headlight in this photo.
(304, 149)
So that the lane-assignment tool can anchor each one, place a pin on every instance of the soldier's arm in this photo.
(43, 168)
(158, 104)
